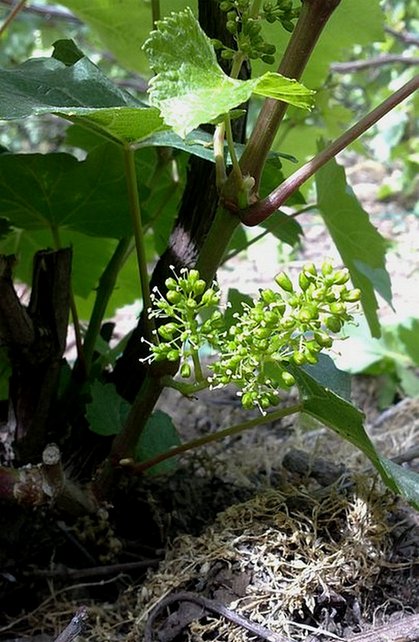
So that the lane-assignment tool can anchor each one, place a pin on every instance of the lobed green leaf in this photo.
(190, 87)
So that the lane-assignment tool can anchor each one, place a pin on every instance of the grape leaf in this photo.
(329, 376)
(79, 92)
(190, 88)
(56, 190)
(359, 243)
(333, 411)
(107, 411)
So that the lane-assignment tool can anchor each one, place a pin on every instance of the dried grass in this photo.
(293, 546)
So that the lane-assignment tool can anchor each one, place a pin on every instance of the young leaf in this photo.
(406, 481)
(360, 245)
(190, 87)
(158, 436)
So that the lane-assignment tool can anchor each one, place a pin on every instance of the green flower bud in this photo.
(185, 370)
(225, 5)
(247, 401)
(337, 308)
(341, 277)
(231, 26)
(294, 301)
(262, 333)
(323, 339)
(303, 281)
(284, 282)
(352, 296)
(287, 378)
(330, 297)
(327, 268)
(333, 324)
(298, 358)
(313, 346)
(199, 287)
(308, 313)
(310, 357)
(287, 323)
(171, 283)
(210, 297)
(309, 269)
(271, 318)
(159, 355)
(268, 296)
(267, 59)
(173, 296)
(268, 48)
(191, 304)
(288, 25)
(173, 355)
(193, 276)
(262, 344)
(167, 331)
(264, 402)
(319, 294)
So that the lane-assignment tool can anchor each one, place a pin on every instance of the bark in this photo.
(35, 338)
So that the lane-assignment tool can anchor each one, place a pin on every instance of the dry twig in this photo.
(75, 627)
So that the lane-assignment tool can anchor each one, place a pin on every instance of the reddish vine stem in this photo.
(260, 211)
(313, 18)
(12, 15)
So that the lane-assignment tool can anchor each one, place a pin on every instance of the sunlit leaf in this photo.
(79, 92)
(190, 88)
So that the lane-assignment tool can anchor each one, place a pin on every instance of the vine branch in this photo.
(141, 467)
(313, 18)
(260, 211)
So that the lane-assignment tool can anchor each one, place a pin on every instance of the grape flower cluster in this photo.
(289, 326)
(246, 28)
(183, 333)
(280, 330)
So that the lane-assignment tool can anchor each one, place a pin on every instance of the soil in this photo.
(285, 525)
